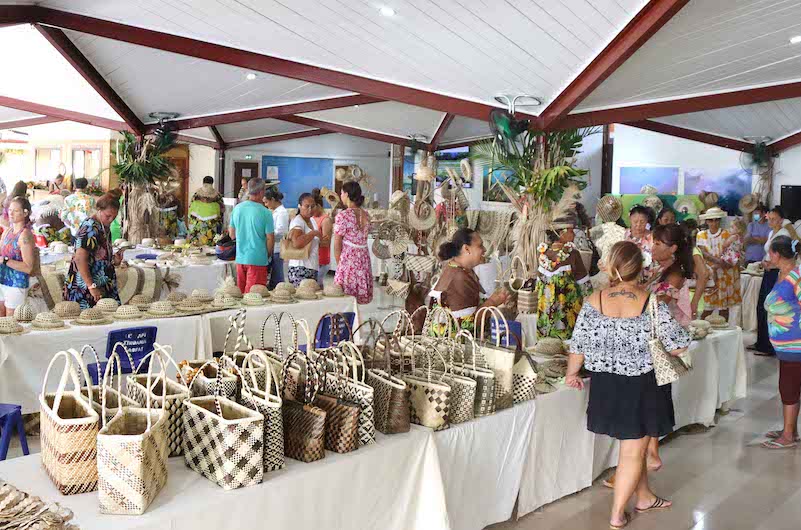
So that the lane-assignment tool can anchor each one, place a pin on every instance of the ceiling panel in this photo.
(389, 117)
(200, 132)
(257, 128)
(709, 46)
(473, 49)
(35, 72)
(774, 119)
(7, 114)
(465, 129)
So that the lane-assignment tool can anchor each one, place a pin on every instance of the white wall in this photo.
(202, 162)
(787, 171)
(371, 156)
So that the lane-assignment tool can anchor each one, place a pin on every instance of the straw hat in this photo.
(282, 296)
(398, 197)
(306, 292)
(191, 305)
(121, 244)
(260, 289)
(253, 299)
(162, 308)
(59, 247)
(199, 259)
(341, 174)
(713, 213)
(334, 290)
(141, 301)
(309, 285)
(687, 206)
(653, 202)
(748, 203)
(148, 242)
(9, 326)
(92, 317)
(422, 217)
(330, 196)
(426, 171)
(610, 208)
(67, 310)
(285, 286)
(232, 290)
(107, 305)
(179, 242)
(176, 296)
(202, 295)
(24, 313)
(128, 312)
(549, 346)
(648, 189)
(48, 321)
(708, 198)
(224, 301)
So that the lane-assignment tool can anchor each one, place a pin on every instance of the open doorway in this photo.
(242, 170)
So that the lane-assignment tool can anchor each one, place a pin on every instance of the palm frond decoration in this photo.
(142, 161)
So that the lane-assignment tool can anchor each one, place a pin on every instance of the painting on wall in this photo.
(665, 179)
(272, 172)
(730, 185)
(492, 192)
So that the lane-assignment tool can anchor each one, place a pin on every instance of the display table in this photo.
(216, 324)
(482, 465)
(392, 485)
(24, 358)
(745, 315)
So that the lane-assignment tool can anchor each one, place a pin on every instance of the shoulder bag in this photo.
(500, 359)
(667, 368)
(304, 423)
(390, 393)
(484, 377)
(430, 397)
(288, 250)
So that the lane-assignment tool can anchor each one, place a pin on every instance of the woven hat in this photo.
(162, 308)
(223, 301)
(341, 174)
(334, 290)
(426, 171)
(199, 259)
(687, 206)
(59, 247)
(190, 305)
(128, 312)
(148, 242)
(10, 326)
(120, 244)
(253, 299)
(713, 213)
(422, 217)
(202, 295)
(282, 296)
(309, 285)
(107, 305)
(610, 208)
(176, 296)
(549, 346)
(179, 242)
(24, 313)
(748, 203)
(141, 301)
(648, 189)
(92, 317)
(232, 290)
(330, 196)
(285, 286)
(48, 320)
(398, 198)
(307, 291)
(67, 310)
(260, 289)
(708, 198)
(653, 202)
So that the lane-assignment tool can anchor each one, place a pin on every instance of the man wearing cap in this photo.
(757, 233)
(252, 228)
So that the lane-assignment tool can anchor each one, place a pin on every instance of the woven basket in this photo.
(9, 326)
(24, 313)
(92, 317)
(128, 312)
(202, 295)
(609, 208)
(253, 299)
(107, 305)
(48, 321)
(260, 289)
(176, 296)
(67, 310)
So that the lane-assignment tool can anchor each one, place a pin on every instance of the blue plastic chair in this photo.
(10, 418)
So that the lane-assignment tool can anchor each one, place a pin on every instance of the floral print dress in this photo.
(94, 238)
(205, 220)
(561, 287)
(726, 292)
(354, 272)
(783, 306)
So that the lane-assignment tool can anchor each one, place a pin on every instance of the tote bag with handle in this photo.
(484, 377)
(390, 394)
(304, 423)
(341, 415)
(276, 355)
(429, 396)
(463, 389)
(500, 358)
(115, 399)
(667, 368)
(353, 387)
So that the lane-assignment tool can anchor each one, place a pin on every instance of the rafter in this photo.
(78, 60)
(275, 138)
(55, 112)
(443, 127)
(346, 129)
(18, 14)
(783, 144)
(642, 27)
(28, 122)
(689, 134)
(218, 137)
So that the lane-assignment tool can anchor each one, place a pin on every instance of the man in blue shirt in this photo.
(756, 236)
(252, 228)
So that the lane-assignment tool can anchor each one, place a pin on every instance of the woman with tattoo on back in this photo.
(19, 252)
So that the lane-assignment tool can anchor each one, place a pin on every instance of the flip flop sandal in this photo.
(773, 444)
(609, 483)
(773, 435)
(626, 521)
(659, 504)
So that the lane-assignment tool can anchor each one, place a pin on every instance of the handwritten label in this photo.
(139, 342)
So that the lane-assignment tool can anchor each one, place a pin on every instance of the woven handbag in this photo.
(667, 368)
(242, 346)
(420, 264)
(527, 298)
(429, 398)
(114, 396)
(390, 394)
(176, 393)
(500, 359)
(463, 389)
(292, 388)
(341, 415)
(304, 423)
(288, 250)
(132, 450)
(524, 379)
(484, 377)
(68, 434)
(352, 387)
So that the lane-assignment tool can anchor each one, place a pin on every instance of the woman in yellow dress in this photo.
(725, 274)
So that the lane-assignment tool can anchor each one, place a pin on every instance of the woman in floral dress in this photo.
(205, 214)
(726, 275)
(91, 274)
(354, 272)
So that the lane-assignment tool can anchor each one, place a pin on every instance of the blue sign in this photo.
(515, 327)
(139, 342)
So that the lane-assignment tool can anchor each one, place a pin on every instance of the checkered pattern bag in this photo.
(352, 387)
(69, 427)
(304, 423)
(463, 389)
(500, 359)
(430, 398)
(115, 399)
(484, 404)
(524, 379)
(132, 450)
(172, 403)
(204, 381)
(390, 394)
(293, 388)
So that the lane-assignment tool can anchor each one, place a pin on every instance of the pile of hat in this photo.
(284, 293)
(699, 329)
(307, 290)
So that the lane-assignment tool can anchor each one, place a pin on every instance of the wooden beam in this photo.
(642, 27)
(689, 134)
(197, 141)
(777, 147)
(681, 106)
(218, 137)
(345, 129)
(263, 63)
(11, 15)
(270, 112)
(63, 114)
(443, 126)
(78, 60)
(275, 138)
(28, 122)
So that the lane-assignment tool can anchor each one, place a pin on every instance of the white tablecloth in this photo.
(216, 324)
(24, 358)
(392, 485)
(482, 465)
(745, 314)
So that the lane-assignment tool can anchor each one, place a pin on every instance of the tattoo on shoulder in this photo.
(26, 239)
(623, 294)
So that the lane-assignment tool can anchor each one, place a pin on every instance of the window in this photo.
(47, 162)
(86, 164)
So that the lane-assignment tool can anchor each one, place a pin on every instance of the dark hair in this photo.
(111, 199)
(676, 235)
(663, 212)
(354, 192)
(642, 210)
(25, 204)
(451, 249)
(784, 247)
(761, 207)
(673, 269)
(778, 211)
(317, 196)
(81, 183)
(581, 213)
(303, 197)
(20, 189)
(208, 180)
(273, 194)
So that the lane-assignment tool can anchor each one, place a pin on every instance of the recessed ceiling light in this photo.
(387, 11)
(251, 76)
(796, 39)
(356, 107)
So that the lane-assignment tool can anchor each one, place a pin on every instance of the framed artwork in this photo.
(730, 184)
(492, 192)
(665, 179)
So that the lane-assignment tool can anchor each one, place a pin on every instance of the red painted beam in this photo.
(64, 114)
(642, 27)
(28, 122)
(275, 138)
(218, 137)
(78, 60)
(345, 129)
(271, 112)
(443, 126)
(18, 14)
(779, 145)
(197, 141)
(689, 134)
(263, 63)
(681, 106)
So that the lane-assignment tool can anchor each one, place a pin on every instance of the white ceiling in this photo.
(388, 117)
(257, 128)
(203, 133)
(710, 46)
(7, 114)
(462, 128)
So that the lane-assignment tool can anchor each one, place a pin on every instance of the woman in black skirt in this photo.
(611, 340)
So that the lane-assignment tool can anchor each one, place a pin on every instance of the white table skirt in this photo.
(747, 319)
(482, 465)
(216, 324)
(392, 485)
(24, 358)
